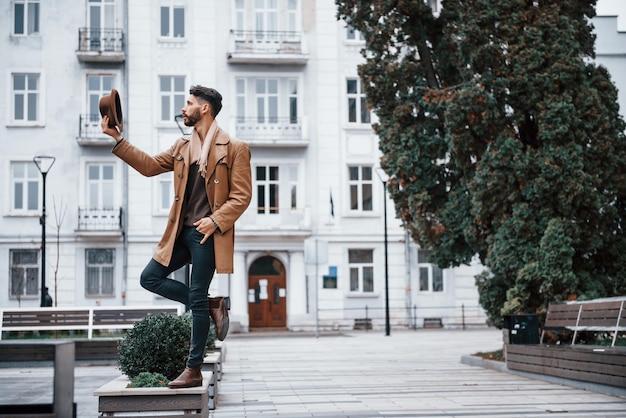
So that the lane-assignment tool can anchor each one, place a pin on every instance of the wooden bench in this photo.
(591, 363)
(97, 350)
(607, 315)
(61, 354)
(433, 323)
(362, 323)
(91, 319)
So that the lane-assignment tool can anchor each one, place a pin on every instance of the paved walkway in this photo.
(360, 374)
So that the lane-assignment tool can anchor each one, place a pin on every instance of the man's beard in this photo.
(192, 119)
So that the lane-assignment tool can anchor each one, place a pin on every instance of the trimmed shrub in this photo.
(159, 344)
(149, 380)
(156, 344)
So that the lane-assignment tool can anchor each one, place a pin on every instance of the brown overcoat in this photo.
(228, 187)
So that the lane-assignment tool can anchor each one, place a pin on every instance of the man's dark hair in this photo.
(209, 95)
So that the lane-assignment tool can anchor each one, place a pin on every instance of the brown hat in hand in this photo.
(112, 107)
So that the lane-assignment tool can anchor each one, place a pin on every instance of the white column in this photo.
(296, 289)
(239, 294)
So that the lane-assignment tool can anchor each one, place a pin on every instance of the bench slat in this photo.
(85, 319)
(561, 315)
(126, 316)
(44, 318)
(600, 314)
(604, 315)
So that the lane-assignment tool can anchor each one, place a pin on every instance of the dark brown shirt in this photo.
(196, 203)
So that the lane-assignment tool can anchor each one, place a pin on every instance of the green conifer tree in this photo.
(502, 139)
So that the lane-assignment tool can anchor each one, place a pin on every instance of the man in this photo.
(212, 188)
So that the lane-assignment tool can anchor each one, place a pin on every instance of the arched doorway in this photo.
(267, 294)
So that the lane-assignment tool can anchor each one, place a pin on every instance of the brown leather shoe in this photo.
(218, 310)
(190, 377)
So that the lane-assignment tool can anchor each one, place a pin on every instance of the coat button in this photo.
(180, 157)
(180, 176)
(217, 204)
(176, 198)
(216, 181)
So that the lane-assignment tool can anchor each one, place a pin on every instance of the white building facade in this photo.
(310, 250)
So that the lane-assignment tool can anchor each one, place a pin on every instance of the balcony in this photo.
(100, 45)
(287, 222)
(90, 132)
(271, 132)
(99, 222)
(266, 47)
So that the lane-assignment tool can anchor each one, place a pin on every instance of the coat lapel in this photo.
(217, 152)
(185, 151)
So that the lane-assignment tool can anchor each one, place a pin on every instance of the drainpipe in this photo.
(124, 166)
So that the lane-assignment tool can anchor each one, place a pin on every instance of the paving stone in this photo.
(416, 374)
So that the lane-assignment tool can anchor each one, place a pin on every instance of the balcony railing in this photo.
(270, 131)
(100, 45)
(99, 220)
(90, 132)
(267, 47)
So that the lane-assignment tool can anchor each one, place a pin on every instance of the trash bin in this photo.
(523, 328)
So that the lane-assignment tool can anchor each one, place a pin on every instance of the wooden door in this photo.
(267, 301)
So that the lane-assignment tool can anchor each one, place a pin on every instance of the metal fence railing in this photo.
(414, 317)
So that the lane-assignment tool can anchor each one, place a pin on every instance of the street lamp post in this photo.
(44, 163)
(383, 177)
(178, 118)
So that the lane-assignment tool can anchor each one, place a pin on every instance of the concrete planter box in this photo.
(213, 364)
(115, 399)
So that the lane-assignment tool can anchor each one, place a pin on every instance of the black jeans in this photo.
(202, 256)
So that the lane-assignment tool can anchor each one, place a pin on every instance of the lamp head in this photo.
(44, 163)
(382, 175)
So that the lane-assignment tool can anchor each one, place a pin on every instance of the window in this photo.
(293, 185)
(265, 16)
(172, 92)
(241, 99)
(268, 101)
(100, 185)
(101, 15)
(267, 189)
(353, 34)
(361, 265)
(266, 19)
(26, 92)
(292, 16)
(25, 17)
(430, 275)
(293, 100)
(97, 87)
(99, 267)
(240, 15)
(360, 183)
(166, 192)
(24, 274)
(25, 186)
(276, 190)
(358, 111)
(173, 21)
